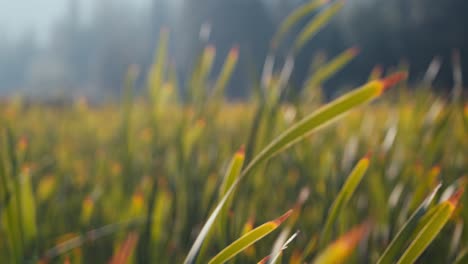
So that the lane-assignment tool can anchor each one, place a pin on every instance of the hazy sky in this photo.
(17, 16)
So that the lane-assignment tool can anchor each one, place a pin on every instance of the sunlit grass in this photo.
(165, 178)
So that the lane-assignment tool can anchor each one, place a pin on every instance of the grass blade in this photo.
(314, 26)
(226, 72)
(125, 251)
(248, 239)
(344, 195)
(328, 70)
(293, 18)
(229, 178)
(400, 239)
(157, 71)
(231, 175)
(325, 115)
(431, 229)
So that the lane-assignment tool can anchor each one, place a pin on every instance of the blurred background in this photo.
(83, 47)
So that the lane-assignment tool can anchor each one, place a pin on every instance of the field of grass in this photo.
(157, 178)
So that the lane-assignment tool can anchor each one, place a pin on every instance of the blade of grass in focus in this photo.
(325, 115)
(431, 229)
(398, 242)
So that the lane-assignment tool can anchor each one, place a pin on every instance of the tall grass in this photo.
(165, 178)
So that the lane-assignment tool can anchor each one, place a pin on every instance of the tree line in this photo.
(91, 56)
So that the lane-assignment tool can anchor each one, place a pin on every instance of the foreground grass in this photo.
(88, 167)
(160, 178)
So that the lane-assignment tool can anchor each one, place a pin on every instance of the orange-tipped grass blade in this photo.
(341, 249)
(226, 72)
(344, 195)
(232, 173)
(399, 241)
(28, 207)
(326, 115)
(248, 226)
(248, 239)
(431, 228)
(87, 209)
(123, 254)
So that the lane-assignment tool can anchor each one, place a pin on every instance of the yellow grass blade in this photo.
(344, 195)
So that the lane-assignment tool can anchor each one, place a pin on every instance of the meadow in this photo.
(375, 176)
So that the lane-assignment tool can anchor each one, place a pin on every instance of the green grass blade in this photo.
(314, 26)
(293, 18)
(404, 234)
(157, 71)
(29, 208)
(229, 178)
(324, 116)
(227, 188)
(226, 72)
(233, 171)
(332, 67)
(344, 195)
(430, 230)
(232, 174)
(200, 75)
(248, 239)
